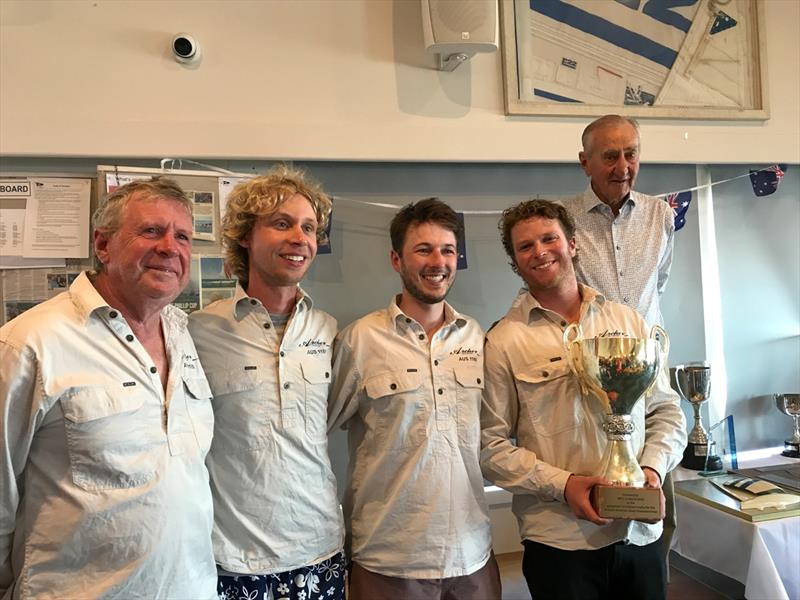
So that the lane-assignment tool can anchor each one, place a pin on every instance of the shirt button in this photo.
(479, 379)
(153, 370)
(282, 353)
(563, 323)
(253, 301)
(618, 248)
(436, 363)
(286, 386)
(545, 373)
(440, 391)
(625, 300)
(327, 374)
(113, 314)
(129, 337)
(408, 320)
(421, 336)
(267, 325)
(620, 273)
(393, 386)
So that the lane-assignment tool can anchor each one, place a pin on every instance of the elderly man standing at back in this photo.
(105, 421)
(624, 238)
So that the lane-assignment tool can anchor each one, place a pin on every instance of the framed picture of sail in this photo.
(676, 59)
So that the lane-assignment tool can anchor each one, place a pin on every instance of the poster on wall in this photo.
(690, 59)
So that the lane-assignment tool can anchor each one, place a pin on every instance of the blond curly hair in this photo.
(260, 197)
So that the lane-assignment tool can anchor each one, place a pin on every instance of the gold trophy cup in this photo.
(619, 371)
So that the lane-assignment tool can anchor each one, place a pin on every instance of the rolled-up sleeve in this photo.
(505, 464)
(20, 402)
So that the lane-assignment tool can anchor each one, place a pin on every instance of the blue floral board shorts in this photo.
(322, 581)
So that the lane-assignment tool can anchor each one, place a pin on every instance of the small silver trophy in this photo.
(789, 404)
(619, 371)
(694, 386)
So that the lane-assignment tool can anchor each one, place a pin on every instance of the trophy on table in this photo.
(619, 371)
(789, 404)
(694, 386)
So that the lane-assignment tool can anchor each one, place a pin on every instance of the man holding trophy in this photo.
(561, 421)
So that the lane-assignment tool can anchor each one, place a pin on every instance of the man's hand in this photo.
(577, 495)
(652, 480)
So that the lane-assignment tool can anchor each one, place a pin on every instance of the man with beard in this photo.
(408, 383)
(105, 421)
(542, 439)
(278, 529)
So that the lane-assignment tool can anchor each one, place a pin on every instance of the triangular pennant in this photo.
(766, 181)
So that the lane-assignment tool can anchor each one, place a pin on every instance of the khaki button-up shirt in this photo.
(537, 427)
(275, 505)
(414, 503)
(103, 487)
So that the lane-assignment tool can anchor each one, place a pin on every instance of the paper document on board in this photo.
(57, 219)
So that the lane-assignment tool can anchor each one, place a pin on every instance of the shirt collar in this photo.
(398, 317)
(529, 306)
(241, 301)
(590, 201)
(88, 301)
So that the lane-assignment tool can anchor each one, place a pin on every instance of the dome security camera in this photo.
(185, 48)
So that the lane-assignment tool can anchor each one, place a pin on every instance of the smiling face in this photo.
(282, 245)
(543, 254)
(611, 160)
(427, 264)
(147, 259)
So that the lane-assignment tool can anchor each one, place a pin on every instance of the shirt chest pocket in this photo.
(547, 399)
(115, 437)
(245, 399)
(469, 387)
(198, 407)
(317, 380)
(397, 410)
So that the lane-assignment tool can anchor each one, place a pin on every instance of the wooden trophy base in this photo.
(627, 502)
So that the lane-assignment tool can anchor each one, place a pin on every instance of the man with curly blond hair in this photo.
(278, 531)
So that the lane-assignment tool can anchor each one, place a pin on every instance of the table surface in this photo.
(764, 556)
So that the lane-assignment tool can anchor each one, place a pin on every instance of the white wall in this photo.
(311, 79)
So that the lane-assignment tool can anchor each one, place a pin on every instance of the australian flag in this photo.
(679, 201)
(766, 181)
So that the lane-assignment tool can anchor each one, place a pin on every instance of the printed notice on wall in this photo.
(57, 219)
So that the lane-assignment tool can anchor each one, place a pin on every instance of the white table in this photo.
(764, 556)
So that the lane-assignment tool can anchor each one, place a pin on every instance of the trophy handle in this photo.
(572, 334)
(659, 334)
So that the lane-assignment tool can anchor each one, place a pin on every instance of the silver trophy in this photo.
(789, 404)
(694, 386)
(619, 371)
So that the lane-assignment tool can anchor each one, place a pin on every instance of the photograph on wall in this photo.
(215, 284)
(203, 215)
(658, 58)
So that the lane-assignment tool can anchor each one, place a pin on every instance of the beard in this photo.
(419, 294)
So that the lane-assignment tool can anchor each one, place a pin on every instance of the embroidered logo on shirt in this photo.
(314, 346)
(466, 354)
(189, 362)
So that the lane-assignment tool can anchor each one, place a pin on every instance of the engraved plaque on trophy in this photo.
(789, 404)
(694, 386)
(619, 371)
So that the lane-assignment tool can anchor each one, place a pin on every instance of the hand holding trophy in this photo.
(619, 371)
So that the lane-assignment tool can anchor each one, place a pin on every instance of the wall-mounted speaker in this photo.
(460, 26)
